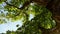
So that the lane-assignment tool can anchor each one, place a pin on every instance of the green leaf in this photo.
(17, 3)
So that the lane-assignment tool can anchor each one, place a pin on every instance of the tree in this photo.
(16, 10)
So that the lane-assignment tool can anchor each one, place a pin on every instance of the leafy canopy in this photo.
(42, 17)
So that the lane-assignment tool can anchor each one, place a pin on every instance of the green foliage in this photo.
(42, 17)
(35, 9)
(2, 21)
(11, 32)
(17, 3)
(14, 13)
(43, 20)
(2, 1)
(30, 27)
